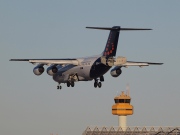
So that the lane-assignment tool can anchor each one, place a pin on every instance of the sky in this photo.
(32, 105)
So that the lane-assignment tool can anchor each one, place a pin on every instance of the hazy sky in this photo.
(31, 105)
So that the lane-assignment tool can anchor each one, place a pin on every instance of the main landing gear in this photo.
(98, 84)
(70, 84)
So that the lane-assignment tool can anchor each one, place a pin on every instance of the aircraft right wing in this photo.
(49, 61)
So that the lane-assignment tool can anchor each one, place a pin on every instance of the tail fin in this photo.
(112, 42)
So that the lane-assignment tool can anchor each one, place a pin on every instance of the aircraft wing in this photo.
(49, 61)
(140, 64)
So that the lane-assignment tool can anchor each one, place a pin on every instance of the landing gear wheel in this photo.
(95, 84)
(99, 84)
(68, 84)
(57, 87)
(60, 87)
(72, 84)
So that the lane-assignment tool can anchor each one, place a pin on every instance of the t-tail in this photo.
(112, 42)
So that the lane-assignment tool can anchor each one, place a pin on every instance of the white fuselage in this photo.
(82, 70)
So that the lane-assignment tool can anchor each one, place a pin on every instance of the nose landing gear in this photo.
(59, 86)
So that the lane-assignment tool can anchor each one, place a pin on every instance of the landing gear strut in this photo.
(102, 78)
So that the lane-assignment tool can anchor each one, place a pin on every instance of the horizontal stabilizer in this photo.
(117, 28)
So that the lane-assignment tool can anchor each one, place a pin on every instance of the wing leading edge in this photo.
(49, 61)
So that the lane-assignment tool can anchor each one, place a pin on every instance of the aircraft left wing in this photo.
(49, 61)
(122, 62)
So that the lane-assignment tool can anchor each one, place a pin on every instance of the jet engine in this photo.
(39, 69)
(52, 70)
(115, 72)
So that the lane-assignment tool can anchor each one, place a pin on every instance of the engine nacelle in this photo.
(115, 72)
(38, 70)
(52, 70)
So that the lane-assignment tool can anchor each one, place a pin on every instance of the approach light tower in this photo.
(122, 108)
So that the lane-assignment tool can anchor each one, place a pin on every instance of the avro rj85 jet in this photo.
(73, 70)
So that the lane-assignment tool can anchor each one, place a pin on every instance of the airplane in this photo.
(72, 70)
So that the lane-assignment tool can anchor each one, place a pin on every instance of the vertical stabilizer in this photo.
(112, 42)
